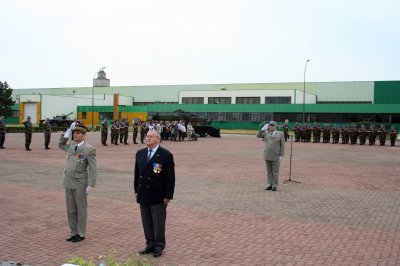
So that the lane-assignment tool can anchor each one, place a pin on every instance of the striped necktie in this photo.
(149, 155)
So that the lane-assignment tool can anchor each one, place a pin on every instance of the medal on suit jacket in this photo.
(80, 157)
(157, 168)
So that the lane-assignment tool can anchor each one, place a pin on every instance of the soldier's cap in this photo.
(81, 128)
(272, 123)
(28, 117)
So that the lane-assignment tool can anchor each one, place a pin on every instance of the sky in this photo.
(58, 43)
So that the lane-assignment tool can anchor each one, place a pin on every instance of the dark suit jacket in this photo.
(150, 185)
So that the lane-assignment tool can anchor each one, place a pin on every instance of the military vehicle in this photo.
(200, 125)
(59, 121)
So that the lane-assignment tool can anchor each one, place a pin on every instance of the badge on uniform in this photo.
(157, 168)
(81, 157)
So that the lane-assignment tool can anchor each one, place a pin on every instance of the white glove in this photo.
(265, 127)
(280, 158)
(67, 133)
(88, 189)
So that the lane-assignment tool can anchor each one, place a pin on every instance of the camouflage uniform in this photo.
(296, 132)
(371, 135)
(121, 130)
(2, 132)
(382, 135)
(104, 132)
(135, 126)
(362, 132)
(28, 133)
(392, 135)
(126, 131)
(142, 131)
(47, 133)
(116, 131)
(285, 128)
(353, 134)
(335, 134)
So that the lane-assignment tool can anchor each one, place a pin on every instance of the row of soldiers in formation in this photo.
(348, 134)
(168, 130)
(28, 133)
(175, 131)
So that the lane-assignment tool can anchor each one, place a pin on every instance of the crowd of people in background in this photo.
(168, 130)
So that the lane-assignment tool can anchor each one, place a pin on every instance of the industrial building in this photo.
(229, 106)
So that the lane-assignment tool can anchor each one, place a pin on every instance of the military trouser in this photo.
(104, 136)
(392, 140)
(272, 173)
(2, 139)
(126, 136)
(47, 137)
(28, 139)
(142, 138)
(296, 136)
(363, 139)
(134, 137)
(121, 136)
(382, 139)
(116, 136)
(286, 135)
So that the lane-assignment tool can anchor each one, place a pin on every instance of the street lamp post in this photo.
(304, 91)
(94, 76)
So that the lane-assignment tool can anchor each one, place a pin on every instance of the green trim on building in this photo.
(387, 92)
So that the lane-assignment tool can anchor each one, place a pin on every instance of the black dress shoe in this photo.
(147, 250)
(71, 238)
(78, 238)
(157, 253)
(274, 189)
(268, 188)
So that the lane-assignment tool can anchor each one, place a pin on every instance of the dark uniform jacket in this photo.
(154, 180)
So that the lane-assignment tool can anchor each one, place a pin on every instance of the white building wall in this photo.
(296, 95)
(355, 91)
(52, 105)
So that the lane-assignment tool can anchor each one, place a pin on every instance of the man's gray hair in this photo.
(152, 130)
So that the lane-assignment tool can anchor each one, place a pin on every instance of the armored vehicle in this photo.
(59, 120)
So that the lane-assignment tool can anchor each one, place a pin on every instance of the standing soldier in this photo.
(285, 128)
(392, 135)
(47, 133)
(343, 133)
(121, 130)
(382, 135)
(135, 126)
(335, 134)
(353, 134)
(2, 132)
(371, 133)
(142, 131)
(116, 131)
(126, 131)
(104, 132)
(296, 130)
(28, 133)
(362, 132)
(112, 129)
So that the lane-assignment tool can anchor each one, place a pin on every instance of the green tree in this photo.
(6, 101)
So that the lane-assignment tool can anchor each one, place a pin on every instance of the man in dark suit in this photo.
(154, 184)
(78, 179)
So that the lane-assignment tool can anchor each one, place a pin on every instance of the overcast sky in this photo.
(58, 43)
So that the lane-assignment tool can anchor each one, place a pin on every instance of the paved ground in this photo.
(345, 211)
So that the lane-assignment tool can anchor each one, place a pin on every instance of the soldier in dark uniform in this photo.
(121, 130)
(28, 133)
(104, 132)
(343, 134)
(135, 126)
(142, 131)
(116, 132)
(47, 133)
(335, 134)
(371, 134)
(112, 129)
(296, 130)
(285, 129)
(2, 132)
(126, 131)
(362, 132)
(392, 135)
(353, 134)
(382, 135)
(308, 133)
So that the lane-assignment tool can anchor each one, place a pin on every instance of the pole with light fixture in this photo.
(304, 92)
(94, 76)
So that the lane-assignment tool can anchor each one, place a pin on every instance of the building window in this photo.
(193, 100)
(104, 115)
(219, 100)
(222, 116)
(255, 117)
(248, 100)
(84, 115)
(278, 100)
